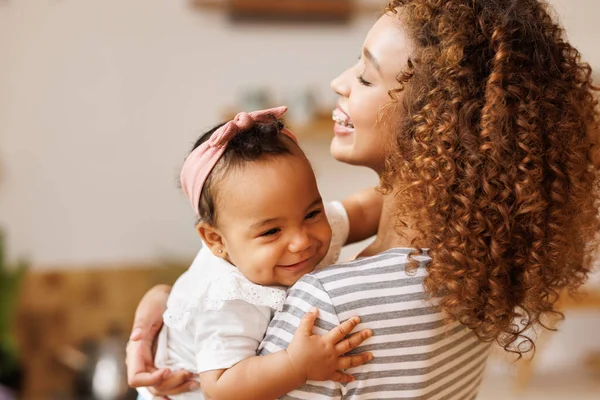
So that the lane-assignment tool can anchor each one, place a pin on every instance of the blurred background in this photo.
(100, 100)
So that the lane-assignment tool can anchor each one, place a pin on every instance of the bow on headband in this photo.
(202, 160)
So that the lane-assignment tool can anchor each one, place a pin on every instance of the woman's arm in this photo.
(141, 370)
(364, 212)
(309, 357)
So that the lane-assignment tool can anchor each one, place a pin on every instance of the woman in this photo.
(481, 121)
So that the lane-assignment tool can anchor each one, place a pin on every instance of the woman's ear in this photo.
(212, 238)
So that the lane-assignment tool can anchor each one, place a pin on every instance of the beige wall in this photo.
(99, 101)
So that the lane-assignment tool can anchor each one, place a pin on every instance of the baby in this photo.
(264, 225)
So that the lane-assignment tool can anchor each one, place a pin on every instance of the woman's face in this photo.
(359, 138)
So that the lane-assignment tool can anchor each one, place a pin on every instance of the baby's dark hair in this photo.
(262, 140)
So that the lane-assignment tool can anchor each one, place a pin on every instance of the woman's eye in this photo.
(312, 214)
(362, 81)
(270, 232)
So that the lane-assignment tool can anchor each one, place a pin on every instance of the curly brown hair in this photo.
(493, 160)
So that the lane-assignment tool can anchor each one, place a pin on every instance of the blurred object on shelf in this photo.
(302, 107)
(255, 98)
(99, 367)
(109, 377)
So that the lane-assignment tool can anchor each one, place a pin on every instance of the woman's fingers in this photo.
(353, 341)
(354, 360)
(142, 379)
(175, 386)
(342, 330)
(307, 322)
(140, 368)
(173, 381)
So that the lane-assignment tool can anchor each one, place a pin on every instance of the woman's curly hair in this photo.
(493, 159)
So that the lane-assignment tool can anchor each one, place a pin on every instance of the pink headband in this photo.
(203, 159)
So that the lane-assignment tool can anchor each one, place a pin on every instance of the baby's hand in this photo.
(321, 358)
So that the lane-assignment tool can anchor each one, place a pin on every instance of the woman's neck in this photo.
(388, 234)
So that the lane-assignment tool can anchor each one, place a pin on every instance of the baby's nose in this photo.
(299, 242)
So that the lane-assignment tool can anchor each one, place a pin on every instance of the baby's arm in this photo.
(364, 211)
(308, 357)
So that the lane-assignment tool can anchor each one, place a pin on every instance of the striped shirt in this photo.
(417, 354)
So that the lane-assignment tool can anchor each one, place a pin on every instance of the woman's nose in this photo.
(341, 84)
(299, 242)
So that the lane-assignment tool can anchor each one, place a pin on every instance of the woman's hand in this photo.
(141, 370)
(322, 358)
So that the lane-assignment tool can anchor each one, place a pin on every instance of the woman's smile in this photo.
(341, 117)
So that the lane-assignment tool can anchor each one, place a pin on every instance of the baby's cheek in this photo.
(327, 233)
(267, 256)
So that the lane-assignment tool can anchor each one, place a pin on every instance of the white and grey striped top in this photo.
(417, 354)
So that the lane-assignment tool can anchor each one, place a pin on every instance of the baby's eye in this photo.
(271, 232)
(312, 214)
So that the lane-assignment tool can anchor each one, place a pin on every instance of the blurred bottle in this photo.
(254, 98)
(302, 107)
(109, 377)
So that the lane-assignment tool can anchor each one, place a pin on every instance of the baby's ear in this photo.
(212, 238)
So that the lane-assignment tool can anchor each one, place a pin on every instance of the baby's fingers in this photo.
(354, 360)
(342, 330)
(353, 341)
(307, 322)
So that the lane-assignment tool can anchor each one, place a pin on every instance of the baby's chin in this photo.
(291, 282)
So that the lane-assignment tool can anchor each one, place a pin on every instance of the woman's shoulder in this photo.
(398, 257)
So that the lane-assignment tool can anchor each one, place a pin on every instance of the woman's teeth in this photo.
(342, 119)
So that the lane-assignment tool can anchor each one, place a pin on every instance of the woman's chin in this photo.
(344, 151)
(341, 149)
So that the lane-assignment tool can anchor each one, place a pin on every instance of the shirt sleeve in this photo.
(226, 336)
(340, 228)
(306, 293)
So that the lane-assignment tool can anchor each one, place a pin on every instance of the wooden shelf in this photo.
(291, 10)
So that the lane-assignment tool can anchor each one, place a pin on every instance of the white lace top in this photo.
(216, 317)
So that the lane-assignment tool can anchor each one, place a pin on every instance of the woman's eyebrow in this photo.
(372, 59)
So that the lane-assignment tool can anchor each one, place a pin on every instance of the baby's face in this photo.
(272, 221)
